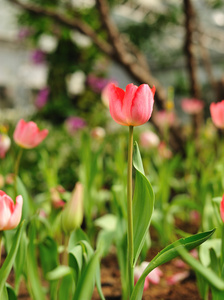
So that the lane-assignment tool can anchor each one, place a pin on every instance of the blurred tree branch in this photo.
(117, 47)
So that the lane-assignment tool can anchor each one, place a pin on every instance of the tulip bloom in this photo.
(222, 209)
(132, 107)
(217, 114)
(10, 213)
(27, 135)
(192, 106)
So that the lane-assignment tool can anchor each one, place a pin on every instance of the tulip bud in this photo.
(72, 215)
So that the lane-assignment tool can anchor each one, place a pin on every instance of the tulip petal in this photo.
(142, 105)
(6, 208)
(16, 214)
(116, 97)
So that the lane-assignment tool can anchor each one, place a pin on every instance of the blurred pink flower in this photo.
(38, 57)
(10, 213)
(164, 151)
(148, 139)
(27, 135)
(56, 196)
(192, 106)
(222, 209)
(181, 264)
(24, 33)
(42, 98)
(217, 114)
(98, 133)
(5, 144)
(177, 277)
(73, 124)
(164, 118)
(97, 84)
(153, 276)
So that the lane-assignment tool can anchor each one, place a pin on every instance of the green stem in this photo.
(16, 172)
(65, 252)
(1, 235)
(222, 247)
(130, 217)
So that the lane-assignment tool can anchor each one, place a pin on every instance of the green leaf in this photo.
(143, 204)
(204, 254)
(168, 253)
(86, 283)
(58, 273)
(11, 292)
(48, 254)
(32, 267)
(8, 263)
(21, 190)
(108, 222)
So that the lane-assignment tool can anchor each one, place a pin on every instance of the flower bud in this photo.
(72, 215)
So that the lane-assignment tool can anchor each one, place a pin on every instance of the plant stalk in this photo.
(130, 254)
(16, 172)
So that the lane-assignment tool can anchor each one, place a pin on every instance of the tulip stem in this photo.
(130, 266)
(1, 235)
(16, 172)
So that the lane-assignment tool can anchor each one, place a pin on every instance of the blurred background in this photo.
(57, 56)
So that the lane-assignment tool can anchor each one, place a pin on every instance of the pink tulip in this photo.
(177, 277)
(217, 114)
(28, 135)
(132, 107)
(10, 213)
(192, 106)
(153, 276)
(148, 139)
(164, 118)
(222, 209)
(5, 143)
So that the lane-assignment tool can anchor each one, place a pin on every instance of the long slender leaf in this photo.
(32, 267)
(85, 285)
(8, 263)
(143, 204)
(166, 255)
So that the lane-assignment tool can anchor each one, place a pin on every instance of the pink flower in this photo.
(132, 107)
(222, 209)
(73, 124)
(217, 114)
(28, 135)
(164, 151)
(56, 196)
(10, 213)
(192, 106)
(148, 139)
(5, 143)
(164, 118)
(177, 277)
(42, 98)
(153, 276)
